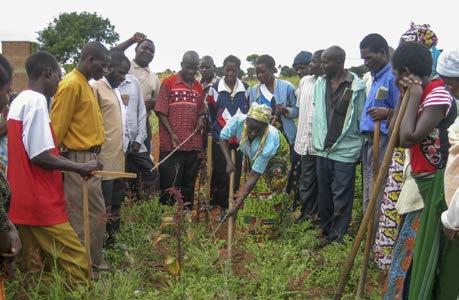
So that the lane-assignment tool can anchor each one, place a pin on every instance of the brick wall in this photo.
(17, 53)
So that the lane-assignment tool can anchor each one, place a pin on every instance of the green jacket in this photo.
(348, 146)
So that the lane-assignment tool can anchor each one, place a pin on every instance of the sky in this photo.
(243, 27)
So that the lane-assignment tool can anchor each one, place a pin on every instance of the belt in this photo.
(93, 149)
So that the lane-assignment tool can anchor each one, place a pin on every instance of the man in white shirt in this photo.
(303, 142)
(140, 68)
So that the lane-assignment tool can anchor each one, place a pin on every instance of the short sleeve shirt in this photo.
(431, 153)
(37, 194)
(182, 104)
(234, 129)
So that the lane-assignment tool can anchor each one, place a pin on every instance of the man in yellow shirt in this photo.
(78, 126)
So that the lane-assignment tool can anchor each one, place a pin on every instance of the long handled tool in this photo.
(209, 167)
(175, 150)
(374, 195)
(230, 203)
(370, 227)
(2, 290)
(86, 224)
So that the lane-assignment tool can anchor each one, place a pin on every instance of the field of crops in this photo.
(285, 265)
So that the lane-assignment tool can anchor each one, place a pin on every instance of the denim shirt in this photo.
(284, 93)
(384, 79)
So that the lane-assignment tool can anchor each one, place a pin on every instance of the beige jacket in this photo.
(112, 154)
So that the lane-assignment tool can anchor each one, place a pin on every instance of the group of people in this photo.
(305, 140)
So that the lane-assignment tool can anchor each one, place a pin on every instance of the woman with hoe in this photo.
(264, 145)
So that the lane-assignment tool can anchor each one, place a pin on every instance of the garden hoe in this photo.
(393, 140)
(380, 95)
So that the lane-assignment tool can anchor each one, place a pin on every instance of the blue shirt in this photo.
(382, 79)
(284, 93)
(235, 127)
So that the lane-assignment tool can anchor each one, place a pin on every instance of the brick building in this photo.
(17, 53)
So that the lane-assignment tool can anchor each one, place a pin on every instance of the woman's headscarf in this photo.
(425, 35)
(421, 34)
(260, 112)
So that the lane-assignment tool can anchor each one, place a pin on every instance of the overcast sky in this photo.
(242, 27)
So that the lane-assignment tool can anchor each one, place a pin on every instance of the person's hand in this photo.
(135, 147)
(281, 110)
(175, 140)
(14, 244)
(378, 113)
(201, 124)
(85, 169)
(449, 233)
(412, 83)
(138, 37)
(150, 104)
(230, 168)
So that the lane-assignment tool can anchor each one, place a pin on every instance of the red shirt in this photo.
(182, 105)
(432, 152)
(37, 194)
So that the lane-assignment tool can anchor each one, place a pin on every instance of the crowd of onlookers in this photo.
(304, 141)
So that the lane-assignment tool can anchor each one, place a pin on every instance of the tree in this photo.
(252, 58)
(286, 71)
(66, 35)
(359, 70)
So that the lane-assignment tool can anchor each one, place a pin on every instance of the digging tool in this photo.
(86, 224)
(374, 195)
(370, 228)
(209, 167)
(175, 150)
(230, 203)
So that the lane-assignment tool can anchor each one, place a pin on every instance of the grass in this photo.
(285, 267)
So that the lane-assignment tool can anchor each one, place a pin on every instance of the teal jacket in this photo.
(348, 146)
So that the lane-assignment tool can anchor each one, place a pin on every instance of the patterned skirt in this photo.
(277, 170)
(389, 219)
(398, 279)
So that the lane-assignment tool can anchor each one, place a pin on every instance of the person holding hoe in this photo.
(265, 146)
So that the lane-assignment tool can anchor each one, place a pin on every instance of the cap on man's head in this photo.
(448, 63)
(302, 58)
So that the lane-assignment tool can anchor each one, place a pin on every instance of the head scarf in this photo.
(448, 63)
(421, 34)
(424, 35)
(260, 112)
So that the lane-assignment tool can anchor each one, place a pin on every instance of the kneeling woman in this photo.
(264, 145)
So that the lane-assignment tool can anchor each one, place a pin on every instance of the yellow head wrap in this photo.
(260, 112)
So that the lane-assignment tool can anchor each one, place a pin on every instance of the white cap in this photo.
(448, 63)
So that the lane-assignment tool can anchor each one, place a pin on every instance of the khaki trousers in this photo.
(73, 184)
(43, 244)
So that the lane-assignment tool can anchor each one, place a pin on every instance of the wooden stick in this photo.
(197, 198)
(175, 150)
(109, 174)
(86, 228)
(374, 195)
(230, 204)
(369, 241)
(2, 289)
(209, 166)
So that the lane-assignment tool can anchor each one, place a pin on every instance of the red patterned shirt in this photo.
(182, 104)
